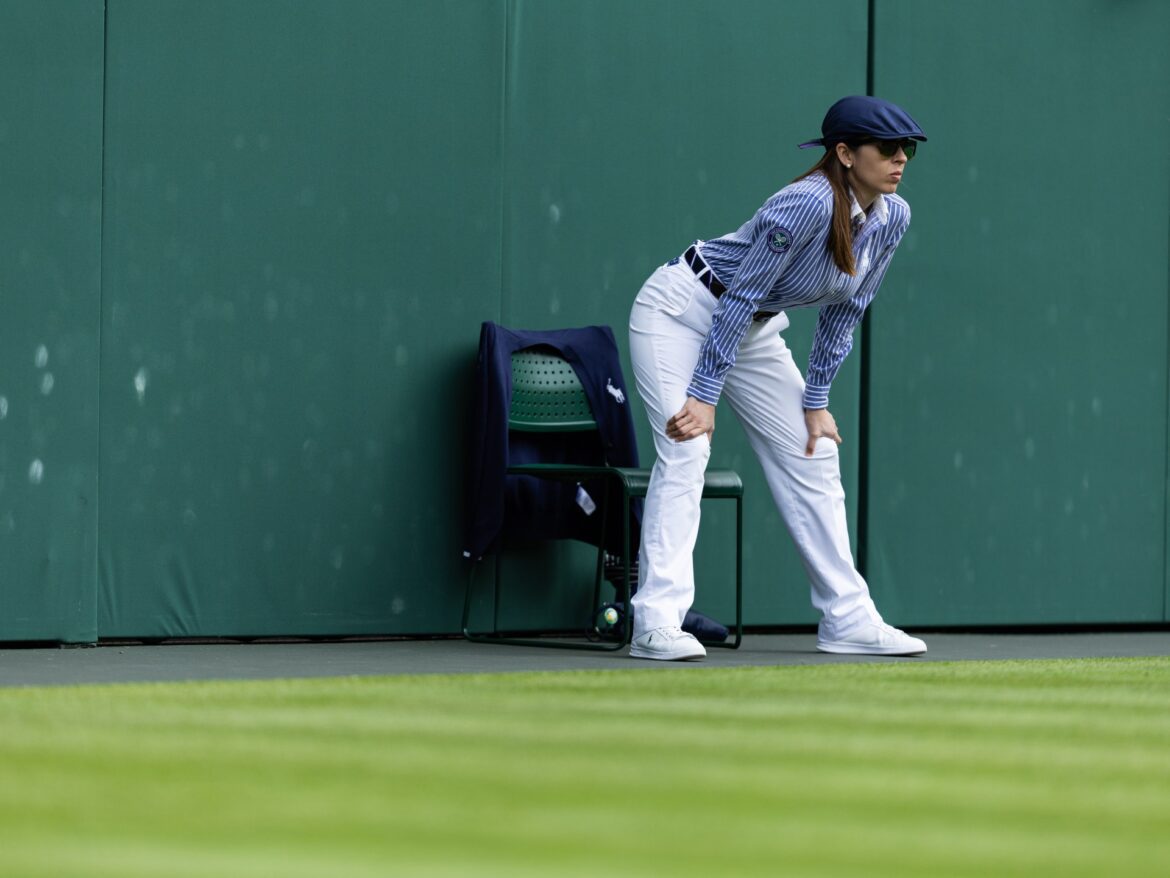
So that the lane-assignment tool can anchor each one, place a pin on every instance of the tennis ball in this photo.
(610, 615)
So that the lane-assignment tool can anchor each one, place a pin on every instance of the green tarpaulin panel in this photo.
(1019, 414)
(50, 226)
(301, 221)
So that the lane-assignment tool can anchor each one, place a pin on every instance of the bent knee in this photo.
(683, 457)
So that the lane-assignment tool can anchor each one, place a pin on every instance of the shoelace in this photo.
(891, 630)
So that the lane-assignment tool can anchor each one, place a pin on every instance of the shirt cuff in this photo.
(705, 389)
(816, 396)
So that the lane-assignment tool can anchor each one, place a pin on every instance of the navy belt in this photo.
(707, 278)
(703, 271)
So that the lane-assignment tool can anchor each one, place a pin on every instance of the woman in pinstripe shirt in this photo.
(706, 326)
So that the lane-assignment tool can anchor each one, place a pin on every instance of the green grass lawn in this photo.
(903, 769)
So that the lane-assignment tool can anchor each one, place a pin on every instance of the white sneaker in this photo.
(872, 638)
(666, 644)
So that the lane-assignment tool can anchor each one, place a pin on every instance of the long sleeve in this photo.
(834, 333)
(788, 222)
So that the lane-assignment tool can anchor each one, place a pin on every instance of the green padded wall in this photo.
(301, 235)
(249, 247)
(1019, 408)
(634, 128)
(50, 225)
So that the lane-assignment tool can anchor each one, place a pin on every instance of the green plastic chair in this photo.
(548, 397)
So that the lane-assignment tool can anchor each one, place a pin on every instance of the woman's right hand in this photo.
(693, 420)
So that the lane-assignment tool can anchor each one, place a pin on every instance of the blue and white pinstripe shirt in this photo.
(779, 259)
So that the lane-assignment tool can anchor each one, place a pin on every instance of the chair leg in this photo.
(599, 574)
(628, 615)
(738, 571)
(467, 601)
(496, 587)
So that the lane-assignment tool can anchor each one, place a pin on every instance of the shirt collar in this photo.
(879, 209)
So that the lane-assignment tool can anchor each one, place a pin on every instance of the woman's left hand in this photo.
(820, 424)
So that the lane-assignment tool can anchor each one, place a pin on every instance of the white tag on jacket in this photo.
(585, 501)
(615, 392)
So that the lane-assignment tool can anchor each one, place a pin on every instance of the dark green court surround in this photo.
(247, 248)
(1019, 348)
(50, 311)
(130, 663)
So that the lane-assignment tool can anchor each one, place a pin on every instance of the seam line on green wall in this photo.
(96, 577)
(863, 431)
(505, 74)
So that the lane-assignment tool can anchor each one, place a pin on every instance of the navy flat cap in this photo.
(860, 116)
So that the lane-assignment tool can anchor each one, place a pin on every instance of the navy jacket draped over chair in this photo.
(536, 508)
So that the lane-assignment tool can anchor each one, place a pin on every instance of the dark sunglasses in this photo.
(889, 148)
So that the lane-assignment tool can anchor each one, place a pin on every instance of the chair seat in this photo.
(716, 482)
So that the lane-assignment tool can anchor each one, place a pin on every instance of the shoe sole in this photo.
(839, 648)
(636, 652)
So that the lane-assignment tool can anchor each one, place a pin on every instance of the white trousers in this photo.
(668, 324)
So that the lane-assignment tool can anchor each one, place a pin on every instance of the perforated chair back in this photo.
(547, 396)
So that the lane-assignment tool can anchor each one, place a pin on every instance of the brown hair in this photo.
(840, 243)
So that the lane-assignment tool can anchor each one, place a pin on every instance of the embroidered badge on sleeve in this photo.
(779, 239)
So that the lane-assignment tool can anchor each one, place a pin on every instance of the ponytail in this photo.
(840, 244)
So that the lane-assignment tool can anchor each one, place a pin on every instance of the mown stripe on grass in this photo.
(1005, 768)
